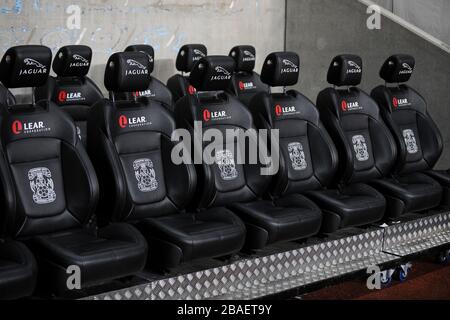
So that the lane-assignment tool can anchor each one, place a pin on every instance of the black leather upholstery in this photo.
(129, 142)
(365, 146)
(418, 139)
(51, 192)
(188, 56)
(71, 89)
(6, 97)
(156, 89)
(241, 187)
(245, 83)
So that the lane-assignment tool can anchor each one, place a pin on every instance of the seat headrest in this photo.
(398, 68)
(281, 69)
(127, 72)
(244, 57)
(345, 70)
(72, 61)
(148, 50)
(25, 66)
(212, 73)
(189, 55)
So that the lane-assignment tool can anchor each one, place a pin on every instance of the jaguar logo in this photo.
(354, 64)
(34, 67)
(297, 155)
(32, 62)
(222, 74)
(249, 56)
(360, 147)
(407, 69)
(42, 185)
(289, 67)
(199, 53)
(410, 141)
(220, 69)
(145, 175)
(134, 63)
(80, 58)
(356, 68)
(407, 66)
(150, 58)
(289, 63)
(226, 164)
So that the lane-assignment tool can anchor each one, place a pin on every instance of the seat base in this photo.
(17, 271)
(289, 218)
(443, 177)
(185, 237)
(112, 252)
(353, 206)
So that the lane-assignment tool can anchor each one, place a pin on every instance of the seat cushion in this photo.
(410, 193)
(183, 237)
(115, 251)
(354, 205)
(17, 271)
(441, 176)
(289, 218)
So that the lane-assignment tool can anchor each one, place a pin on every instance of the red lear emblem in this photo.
(17, 127)
(344, 105)
(191, 90)
(123, 122)
(206, 115)
(62, 96)
(278, 111)
(395, 102)
(241, 85)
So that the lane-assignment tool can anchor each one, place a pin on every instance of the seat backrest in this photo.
(156, 89)
(188, 56)
(404, 110)
(227, 180)
(51, 183)
(6, 97)
(366, 147)
(246, 83)
(71, 89)
(308, 157)
(130, 145)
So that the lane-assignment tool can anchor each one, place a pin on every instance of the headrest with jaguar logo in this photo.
(127, 72)
(72, 61)
(189, 55)
(281, 69)
(25, 66)
(398, 68)
(245, 58)
(148, 50)
(212, 73)
(345, 70)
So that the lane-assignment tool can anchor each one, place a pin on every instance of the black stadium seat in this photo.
(188, 56)
(365, 146)
(418, 140)
(245, 83)
(71, 89)
(50, 187)
(130, 144)
(228, 182)
(156, 89)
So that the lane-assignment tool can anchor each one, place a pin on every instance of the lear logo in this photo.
(284, 111)
(18, 127)
(65, 96)
(246, 85)
(290, 67)
(356, 68)
(407, 69)
(81, 61)
(141, 68)
(39, 68)
(191, 90)
(224, 74)
(214, 115)
(350, 106)
(400, 102)
(248, 56)
(198, 55)
(133, 122)
(146, 93)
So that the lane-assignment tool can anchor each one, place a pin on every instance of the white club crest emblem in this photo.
(297, 156)
(145, 175)
(360, 146)
(41, 183)
(410, 141)
(226, 164)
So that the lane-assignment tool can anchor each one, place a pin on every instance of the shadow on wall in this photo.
(318, 30)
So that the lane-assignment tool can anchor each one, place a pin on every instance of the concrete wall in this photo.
(320, 29)
(110, 25)
(432, 16)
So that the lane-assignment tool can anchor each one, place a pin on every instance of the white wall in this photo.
(110, 25)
